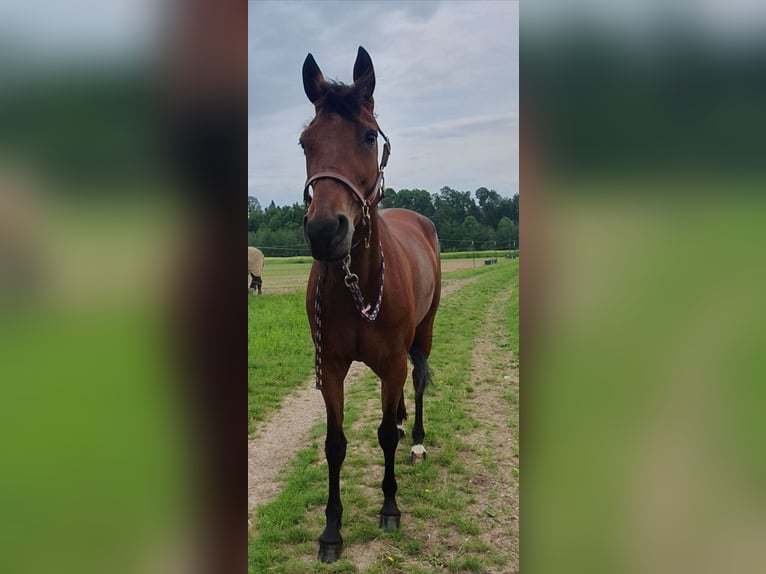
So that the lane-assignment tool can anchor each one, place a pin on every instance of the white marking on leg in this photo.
(418, 450)
(401, 428)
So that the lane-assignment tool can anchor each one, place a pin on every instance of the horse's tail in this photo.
(421, 371)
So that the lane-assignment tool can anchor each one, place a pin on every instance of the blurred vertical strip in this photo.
(208, 122)
(122, 331)
(642, 317)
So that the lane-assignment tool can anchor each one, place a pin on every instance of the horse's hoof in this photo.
(417, 454)
(402, 432)
(389, 523)
(330, 552)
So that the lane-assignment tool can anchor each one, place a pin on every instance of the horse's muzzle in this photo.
(329, 238)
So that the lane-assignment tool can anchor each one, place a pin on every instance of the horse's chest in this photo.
(388, 334)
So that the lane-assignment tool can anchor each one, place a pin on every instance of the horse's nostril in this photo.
(329, 237)
(342, 224)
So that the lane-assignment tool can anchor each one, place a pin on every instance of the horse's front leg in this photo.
(392, 383)
(331, 542)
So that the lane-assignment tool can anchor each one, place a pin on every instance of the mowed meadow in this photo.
(460, 506)
(288, 274)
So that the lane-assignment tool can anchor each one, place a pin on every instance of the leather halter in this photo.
(369, 312)
(367, 202)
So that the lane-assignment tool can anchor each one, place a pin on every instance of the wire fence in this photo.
(508, 249)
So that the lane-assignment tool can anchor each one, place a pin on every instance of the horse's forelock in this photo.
(340, 99)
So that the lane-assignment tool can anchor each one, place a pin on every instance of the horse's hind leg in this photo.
(421, 376)
(401, 416)
(391, 387)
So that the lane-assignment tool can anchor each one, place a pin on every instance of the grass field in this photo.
(446, 256)
(288, 274)
(458, 509)
(280, 350)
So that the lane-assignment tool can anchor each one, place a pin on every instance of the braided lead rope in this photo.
(318, 337)
(352, 282)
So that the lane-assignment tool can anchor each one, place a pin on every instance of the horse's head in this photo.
(341, 148)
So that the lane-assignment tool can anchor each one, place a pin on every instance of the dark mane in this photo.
(339, 98)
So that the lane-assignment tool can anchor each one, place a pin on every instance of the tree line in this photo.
(465, 222)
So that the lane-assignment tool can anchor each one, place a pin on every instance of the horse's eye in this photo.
(371, 137)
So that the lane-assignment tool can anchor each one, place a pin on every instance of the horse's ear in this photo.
(312, 79)
(364, 74)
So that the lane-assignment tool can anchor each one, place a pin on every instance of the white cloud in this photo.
(446, 93)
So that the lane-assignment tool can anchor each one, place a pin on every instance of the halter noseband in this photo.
(366, 203)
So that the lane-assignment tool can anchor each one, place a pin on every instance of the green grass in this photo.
(290, 274)
(434, 496)
(489, 253)
(512, 317)
(280, 352)
(296, 259)
(280, 266)
(287, 274)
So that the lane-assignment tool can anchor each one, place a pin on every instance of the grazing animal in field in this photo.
(374, 286)
(254, 269)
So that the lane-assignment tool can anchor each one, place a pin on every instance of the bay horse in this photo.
(375, 282)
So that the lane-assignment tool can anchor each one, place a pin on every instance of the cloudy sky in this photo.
(447, 90)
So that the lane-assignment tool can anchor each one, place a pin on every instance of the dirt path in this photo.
(494, 373)
(275, 443)
(451, 285)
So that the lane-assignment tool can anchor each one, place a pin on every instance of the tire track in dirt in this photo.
(449, 286)
(275, 443)
(494, 372)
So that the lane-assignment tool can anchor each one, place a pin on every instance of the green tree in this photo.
(459, 219)
(470, 228)
(255, 215)
(389, 198)
(451, 206)
(509, 207)
(252, 205)
(418, 200)
(507, 234)
(490, 204)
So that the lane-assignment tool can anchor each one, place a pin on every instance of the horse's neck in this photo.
(365, 261)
